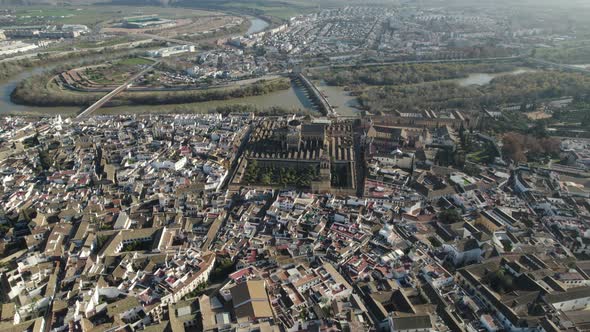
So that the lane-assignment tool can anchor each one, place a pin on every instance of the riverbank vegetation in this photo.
(41, 90)
(193, 96)
(12, 68)
(398, 74)
(507, 89)
(575, 54)
(233, 107)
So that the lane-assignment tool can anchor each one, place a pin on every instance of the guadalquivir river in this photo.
(257, 25)
(293, 98)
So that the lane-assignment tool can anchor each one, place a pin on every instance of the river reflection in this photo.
(486, 78)
(257, 25)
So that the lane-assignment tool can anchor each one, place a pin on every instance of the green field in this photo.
(275, 10)
(118, 72)
(104, 43)
(283, 9)
(58, 15)
(81, 44)
(135, 61)
(92, 15)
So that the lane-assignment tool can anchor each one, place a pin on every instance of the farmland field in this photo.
(92, 15)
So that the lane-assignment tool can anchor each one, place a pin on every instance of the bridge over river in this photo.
(98, 104)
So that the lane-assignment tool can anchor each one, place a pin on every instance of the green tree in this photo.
(507, 245)
(500, 281)
(450, 216)
(266, 178)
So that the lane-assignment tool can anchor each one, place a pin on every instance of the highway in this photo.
(408, 62)
(170, 40)
(88, 111)
(559, 65)
(62, 54)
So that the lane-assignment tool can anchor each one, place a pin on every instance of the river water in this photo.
(8, 107)
(347, 105)
(294, 98)
(486, 78)
(257, 25)
(344, 103)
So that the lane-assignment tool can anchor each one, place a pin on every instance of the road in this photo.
(385, 62)
(559, 65)
(170, 40)
(236, 160)
(88, 111)
(62, 54)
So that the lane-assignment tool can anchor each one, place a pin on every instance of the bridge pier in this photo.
(316, 95)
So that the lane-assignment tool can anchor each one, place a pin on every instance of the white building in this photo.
(169, 51)
(463, 251)
(123, 221)
(14, 47)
